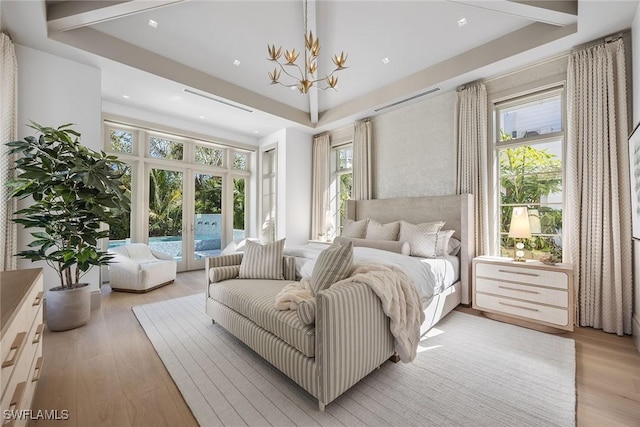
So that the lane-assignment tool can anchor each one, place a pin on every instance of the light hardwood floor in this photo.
(108, 374)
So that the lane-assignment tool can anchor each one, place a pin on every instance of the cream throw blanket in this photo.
(399, 297)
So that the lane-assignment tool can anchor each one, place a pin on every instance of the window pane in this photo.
(165, 149)
(531, 176)
(539, 117)
(240, 161)
(345, 158)
(344, 193)
(239, 208)
(120, 233)
(165, 212)
(121, 141)
(208, 220)
(209, 156)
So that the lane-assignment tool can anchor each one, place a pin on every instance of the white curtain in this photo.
(8, 132)
(472, 177)
(598, 204)
(320, 191)
(361, 189)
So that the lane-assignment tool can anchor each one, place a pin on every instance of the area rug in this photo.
(470, 371)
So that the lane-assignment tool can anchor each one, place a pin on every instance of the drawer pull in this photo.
(518, 306)
(38, 335)
(15, 400)
(522, 273)
(519, 290)
(38, 299)
(15, 348)
(37, 370)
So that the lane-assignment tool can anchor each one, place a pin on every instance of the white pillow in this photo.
(442, 244)
(422, 238)
(377, 231)
(454, 246)
(356, 229)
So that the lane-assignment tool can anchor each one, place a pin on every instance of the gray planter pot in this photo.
(68, 308)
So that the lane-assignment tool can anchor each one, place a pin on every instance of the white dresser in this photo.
(21, 294)
(528, 294)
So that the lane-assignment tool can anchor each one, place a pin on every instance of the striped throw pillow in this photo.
(262, 261)
(333, 264)
(422, 238)
(377, 231)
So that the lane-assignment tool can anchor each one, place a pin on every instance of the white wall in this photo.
(414, 151)
(53, 91)
(635, 87)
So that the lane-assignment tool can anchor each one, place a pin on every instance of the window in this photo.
(269, 200)
(342, 184)
(209, 155)
(121, 141)
(165, 149)
(240, 161)
(529, 151)
(188, 196)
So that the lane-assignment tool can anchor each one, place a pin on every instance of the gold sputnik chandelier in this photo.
(306, 78)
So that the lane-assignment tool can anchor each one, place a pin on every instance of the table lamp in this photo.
(519, 229)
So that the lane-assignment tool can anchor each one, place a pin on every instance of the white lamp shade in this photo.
(520, 228)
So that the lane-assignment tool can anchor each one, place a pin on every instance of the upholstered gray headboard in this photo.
(456, 210)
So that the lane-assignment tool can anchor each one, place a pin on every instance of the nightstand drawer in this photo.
(521, 274)
(528, 310)
(524, 292)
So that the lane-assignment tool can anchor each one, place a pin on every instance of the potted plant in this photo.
(74, 189)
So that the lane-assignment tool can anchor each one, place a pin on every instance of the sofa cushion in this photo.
(254, 299)
(262, 261)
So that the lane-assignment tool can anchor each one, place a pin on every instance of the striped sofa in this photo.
(350, 337)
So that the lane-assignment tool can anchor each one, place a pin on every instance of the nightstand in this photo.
(529, 294)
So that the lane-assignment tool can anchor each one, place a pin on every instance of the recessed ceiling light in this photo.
(255, 131)
(126, 96)
(202, 117)
(153, 24)
(385, 60)
(236, 63)
(462, 22)
(293, 88)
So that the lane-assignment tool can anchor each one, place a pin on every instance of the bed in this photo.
(453, 286)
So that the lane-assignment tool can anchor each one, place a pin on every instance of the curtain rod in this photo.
(608, 39)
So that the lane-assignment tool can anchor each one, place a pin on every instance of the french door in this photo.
(185, 214)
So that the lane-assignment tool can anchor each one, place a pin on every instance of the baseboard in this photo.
(95, 300)
(636, 330)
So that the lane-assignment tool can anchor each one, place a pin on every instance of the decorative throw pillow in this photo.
(333, 264)
(442, 245)
(307, 311)
(377, 231)
(262, 261)
(356, 229)
(421, 237)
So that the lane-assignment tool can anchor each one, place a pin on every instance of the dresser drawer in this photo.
(553, 315)
(521, 274)
(530, 293)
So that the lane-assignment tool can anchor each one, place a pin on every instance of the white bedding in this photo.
(431, 275)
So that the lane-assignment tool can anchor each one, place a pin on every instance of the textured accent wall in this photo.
(414, 149)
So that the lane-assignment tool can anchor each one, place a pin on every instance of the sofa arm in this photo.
(162, 255)
(352, 338)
